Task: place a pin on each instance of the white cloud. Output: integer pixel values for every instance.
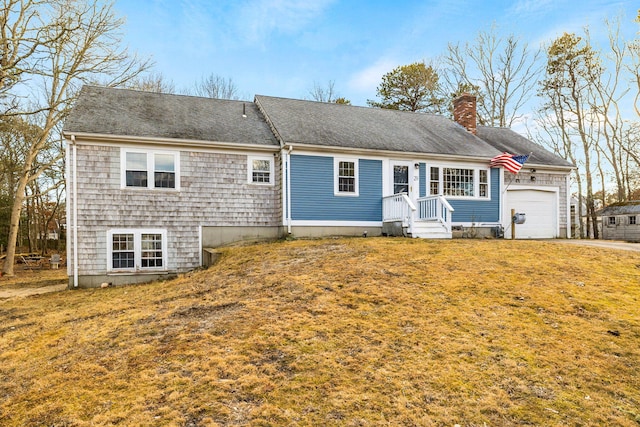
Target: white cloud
(368, 79)
(259, 18)
(529, 7)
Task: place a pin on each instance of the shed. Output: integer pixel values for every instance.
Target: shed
(620, 221)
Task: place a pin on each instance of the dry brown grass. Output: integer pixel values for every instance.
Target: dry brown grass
(353, 332)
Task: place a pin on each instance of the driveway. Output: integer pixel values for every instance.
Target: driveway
(608, 244)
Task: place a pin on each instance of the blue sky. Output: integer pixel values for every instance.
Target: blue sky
(281, 47)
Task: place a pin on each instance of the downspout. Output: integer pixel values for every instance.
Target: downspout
(74, 162)
(569, 221)
(289, 189)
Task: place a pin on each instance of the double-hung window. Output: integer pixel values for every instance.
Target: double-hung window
(150, 169)
(483, 183)
(434, 181)
(632, 220)
(345, 177)
(260, 170)
(137, 250)
(459, 182)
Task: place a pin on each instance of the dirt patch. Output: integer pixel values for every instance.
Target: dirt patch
(25, 283)
(9, 294)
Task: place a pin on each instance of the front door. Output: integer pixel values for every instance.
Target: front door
(402, 178)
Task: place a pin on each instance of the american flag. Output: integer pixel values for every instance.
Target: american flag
(510, 162)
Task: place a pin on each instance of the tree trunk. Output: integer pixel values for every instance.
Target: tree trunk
(14, 226)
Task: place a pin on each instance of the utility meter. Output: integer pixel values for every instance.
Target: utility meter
(519, 218)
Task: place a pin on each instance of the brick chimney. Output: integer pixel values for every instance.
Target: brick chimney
(464, 111)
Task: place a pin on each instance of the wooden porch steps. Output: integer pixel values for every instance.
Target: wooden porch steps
(430, 230)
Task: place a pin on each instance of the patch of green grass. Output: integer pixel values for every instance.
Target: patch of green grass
(352, 332)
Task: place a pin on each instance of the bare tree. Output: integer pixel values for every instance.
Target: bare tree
(215, 86)
(572, 68)
(327, 93)
(608, 90)
(634, 68)
(152, 82)
(501, 72)
(60, 46)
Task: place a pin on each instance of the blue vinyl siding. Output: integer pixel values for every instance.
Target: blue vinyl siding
(479, 211)
(422, 175)
(312, 187)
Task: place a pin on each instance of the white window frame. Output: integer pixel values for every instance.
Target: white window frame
(476, 181)
(431, 181)
(137, 249)
(250, 160)
(632, 220)
(150, 168)
(336, 177)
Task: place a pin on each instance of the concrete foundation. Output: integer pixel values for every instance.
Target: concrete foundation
(213, 237)
(335, 231)
(119, 279)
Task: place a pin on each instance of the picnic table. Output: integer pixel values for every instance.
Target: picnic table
(32, 262)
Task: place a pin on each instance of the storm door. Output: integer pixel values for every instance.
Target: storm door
(400, 178)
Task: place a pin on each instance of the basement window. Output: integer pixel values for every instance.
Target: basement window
(137, 250)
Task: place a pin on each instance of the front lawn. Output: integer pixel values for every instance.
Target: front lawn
(353, 332)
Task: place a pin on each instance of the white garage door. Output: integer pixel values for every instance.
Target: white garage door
(541, 212)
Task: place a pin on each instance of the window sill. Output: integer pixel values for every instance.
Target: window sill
(137, 272)
(262, 184)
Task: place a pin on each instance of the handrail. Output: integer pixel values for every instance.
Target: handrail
(435, 208)
(408, 201)
(445, 203)
(398, 207)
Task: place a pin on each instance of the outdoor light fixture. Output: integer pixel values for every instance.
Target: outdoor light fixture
(533, 179)
(417, 166)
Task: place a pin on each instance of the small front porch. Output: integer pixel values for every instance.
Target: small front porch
(427, 217)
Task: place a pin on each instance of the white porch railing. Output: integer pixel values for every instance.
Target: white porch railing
(435, 208)
(398, 207)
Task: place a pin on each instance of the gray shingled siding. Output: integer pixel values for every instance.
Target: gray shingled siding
(213, 191)
(542, 180)
(622, 230)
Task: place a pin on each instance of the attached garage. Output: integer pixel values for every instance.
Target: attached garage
(541, 209)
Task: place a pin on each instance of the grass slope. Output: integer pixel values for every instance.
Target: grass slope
(353, 332)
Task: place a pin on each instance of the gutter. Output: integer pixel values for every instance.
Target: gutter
(108, 139)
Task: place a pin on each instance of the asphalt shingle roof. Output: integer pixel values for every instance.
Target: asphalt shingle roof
(335, 125)
(123, 112)
(512, 142)
(626, 208)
